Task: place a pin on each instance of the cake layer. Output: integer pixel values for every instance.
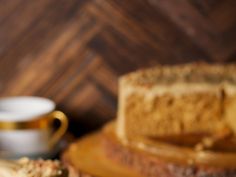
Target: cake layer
(155, 158)
(182, 99)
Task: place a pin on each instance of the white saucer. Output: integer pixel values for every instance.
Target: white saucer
(44, 155)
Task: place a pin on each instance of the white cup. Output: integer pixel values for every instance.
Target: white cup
(26, 126)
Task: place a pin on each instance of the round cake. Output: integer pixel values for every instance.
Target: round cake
(197, 98)
(173, 121)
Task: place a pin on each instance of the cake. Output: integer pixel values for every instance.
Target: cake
(173, 121)
(32, 168)
(197, 98)
(176, 121)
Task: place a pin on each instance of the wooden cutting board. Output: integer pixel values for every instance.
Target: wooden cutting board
(87, 158)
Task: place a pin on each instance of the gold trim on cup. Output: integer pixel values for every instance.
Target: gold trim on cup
(39, 123)
(42, 122)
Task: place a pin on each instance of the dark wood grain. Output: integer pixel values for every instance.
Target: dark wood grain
(73, 51)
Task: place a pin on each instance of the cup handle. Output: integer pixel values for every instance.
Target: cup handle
(58, 115)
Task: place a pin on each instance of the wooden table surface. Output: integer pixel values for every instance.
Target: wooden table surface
(73, 51)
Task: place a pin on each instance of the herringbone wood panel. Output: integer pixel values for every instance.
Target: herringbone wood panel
(73, 51)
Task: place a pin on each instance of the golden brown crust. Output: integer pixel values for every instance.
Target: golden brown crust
(193, 73)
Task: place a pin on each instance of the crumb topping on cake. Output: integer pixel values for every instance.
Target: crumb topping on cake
(40, 168)
(186, 73)
(32, 168)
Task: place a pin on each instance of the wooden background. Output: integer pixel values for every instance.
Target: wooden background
(73, 51)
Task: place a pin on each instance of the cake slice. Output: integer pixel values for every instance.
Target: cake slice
(173, 100)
